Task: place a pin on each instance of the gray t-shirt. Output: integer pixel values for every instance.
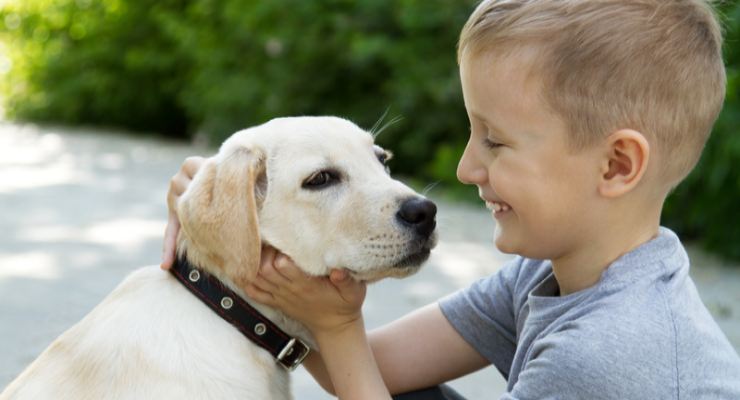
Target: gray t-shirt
(641, 332)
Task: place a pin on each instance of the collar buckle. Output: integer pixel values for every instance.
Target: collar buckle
(293, 354)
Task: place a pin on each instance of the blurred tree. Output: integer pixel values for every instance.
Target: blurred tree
(92, 62)
(211, 67)
(252, 61)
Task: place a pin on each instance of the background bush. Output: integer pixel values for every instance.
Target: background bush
(207, 68)
(93, 62)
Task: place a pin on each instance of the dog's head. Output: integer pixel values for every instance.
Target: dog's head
(317, 189)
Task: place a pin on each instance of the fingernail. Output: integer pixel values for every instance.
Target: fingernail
(340, 275)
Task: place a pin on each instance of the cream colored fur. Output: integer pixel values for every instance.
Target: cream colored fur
(152, 339)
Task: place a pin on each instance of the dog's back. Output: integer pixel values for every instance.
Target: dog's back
(151, 338)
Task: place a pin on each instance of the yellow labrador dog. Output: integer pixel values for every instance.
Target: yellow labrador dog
(314, 187)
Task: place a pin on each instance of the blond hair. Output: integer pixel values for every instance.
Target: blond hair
(654, 66)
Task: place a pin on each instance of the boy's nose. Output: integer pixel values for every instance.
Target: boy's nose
(469, 170)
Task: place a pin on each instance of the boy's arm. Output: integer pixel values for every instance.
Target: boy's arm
(349, 364)
(416, 351)
(422, 349)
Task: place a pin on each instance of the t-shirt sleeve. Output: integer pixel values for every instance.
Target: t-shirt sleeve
(484, 315)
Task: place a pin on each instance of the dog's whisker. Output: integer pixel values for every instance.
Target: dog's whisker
(429, 188)
(379, 121)
(377, 129)
(395, 119)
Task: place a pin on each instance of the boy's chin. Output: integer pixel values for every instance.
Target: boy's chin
(506, 242)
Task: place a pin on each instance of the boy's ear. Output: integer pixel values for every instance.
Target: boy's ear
(625, 162)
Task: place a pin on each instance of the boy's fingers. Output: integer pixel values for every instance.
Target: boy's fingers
(180, 181)
(285, 267)
(264, 285)
(169, 245)
(267, 256)
(167, 260)
(192, 165)
(350, 290)
(259, 295)
(269, 272)
(178, 184)
(338, 276)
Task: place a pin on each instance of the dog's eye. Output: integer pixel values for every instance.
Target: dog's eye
(321, 179)
(384, 156)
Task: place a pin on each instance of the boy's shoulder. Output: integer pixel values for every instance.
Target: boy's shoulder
(646, 316)
(664, 255)
(662, 340)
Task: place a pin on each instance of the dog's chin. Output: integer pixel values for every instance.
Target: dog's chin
(413, 260)
(406, 266)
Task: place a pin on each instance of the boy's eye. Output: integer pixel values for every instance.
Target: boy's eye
(491, 144)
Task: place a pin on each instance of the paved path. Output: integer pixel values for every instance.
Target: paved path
(79, 210)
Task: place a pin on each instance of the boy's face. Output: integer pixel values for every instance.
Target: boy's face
(541, 192)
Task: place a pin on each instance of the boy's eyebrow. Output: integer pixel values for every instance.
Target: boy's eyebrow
(489, 123)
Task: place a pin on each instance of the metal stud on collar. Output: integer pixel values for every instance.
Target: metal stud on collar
(227, 302)
(218, 297)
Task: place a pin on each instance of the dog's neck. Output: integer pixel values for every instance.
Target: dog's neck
(287, 324)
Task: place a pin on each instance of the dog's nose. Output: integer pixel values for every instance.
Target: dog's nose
(418, 214)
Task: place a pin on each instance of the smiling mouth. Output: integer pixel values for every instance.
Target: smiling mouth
(497, 207)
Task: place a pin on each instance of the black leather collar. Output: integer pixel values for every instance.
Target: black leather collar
(288, 351)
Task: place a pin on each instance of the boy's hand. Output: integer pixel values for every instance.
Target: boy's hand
(323, 304)
(178, 184)
(330, 307)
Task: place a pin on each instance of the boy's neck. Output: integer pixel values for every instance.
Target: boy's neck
(582, 269)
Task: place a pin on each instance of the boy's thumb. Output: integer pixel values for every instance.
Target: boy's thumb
(339, 276)
(352, 291)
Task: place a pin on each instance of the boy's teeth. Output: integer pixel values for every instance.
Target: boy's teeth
(497, 207)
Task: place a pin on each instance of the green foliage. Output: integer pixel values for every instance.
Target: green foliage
(92, 62)
(252, 61)
(211, 67)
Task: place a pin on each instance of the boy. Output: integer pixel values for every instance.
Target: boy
(584, 115)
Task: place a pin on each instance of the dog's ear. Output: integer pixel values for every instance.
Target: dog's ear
(218, 214)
